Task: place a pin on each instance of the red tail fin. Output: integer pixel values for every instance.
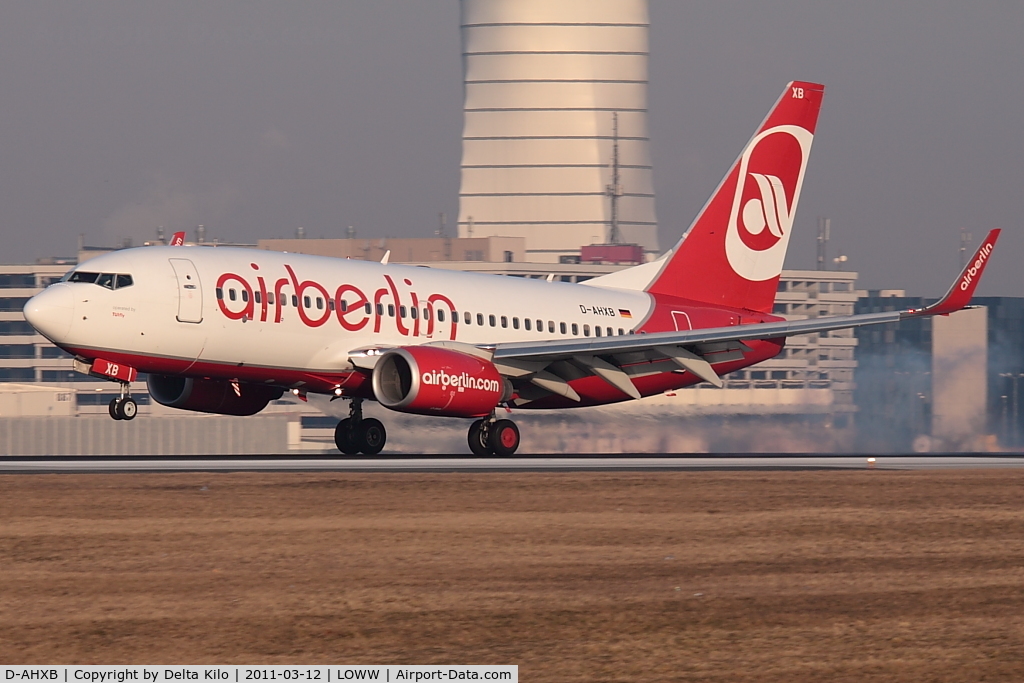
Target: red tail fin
(177, 239)
(732, 255)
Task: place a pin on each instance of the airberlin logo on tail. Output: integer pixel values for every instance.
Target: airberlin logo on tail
(460, 382)
(976, 266)
(770, 210)
(768, 180)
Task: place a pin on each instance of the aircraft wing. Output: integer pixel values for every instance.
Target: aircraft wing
(698, 350)
(554, 350)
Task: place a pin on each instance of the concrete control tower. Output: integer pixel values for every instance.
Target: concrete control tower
(545, 83)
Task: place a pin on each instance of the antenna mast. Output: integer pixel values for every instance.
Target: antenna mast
(965, 243)
(824, 227)
(614, 191)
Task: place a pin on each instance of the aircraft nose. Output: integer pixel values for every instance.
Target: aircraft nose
(51, 312)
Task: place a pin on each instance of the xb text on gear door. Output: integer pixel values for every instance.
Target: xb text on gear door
(190, 291)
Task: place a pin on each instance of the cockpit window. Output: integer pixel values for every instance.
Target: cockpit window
(108, 280)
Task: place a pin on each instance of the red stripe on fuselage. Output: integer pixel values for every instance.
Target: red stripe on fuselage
(352, 383)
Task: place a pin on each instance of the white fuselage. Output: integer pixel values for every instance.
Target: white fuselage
(235, 307)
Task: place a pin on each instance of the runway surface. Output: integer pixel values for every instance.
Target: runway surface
(534, 463)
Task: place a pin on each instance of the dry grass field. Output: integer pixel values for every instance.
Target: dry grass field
(709, 576)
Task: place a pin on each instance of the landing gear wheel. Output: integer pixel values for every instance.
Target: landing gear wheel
(504, 438)
(344, 437)
(127, 408)
(115, 409)
(371, 436)
(478, 441)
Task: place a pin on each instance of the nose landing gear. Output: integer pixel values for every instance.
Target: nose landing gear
(493, 437)
(124, 407)
(356, 434)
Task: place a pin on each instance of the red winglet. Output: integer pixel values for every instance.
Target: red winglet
(960, 294)
(177, 239)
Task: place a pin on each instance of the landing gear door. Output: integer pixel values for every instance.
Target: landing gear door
(190, 291)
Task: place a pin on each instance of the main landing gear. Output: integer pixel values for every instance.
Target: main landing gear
(124, 407)
(487, 436)
(493, 437)
(356, 434)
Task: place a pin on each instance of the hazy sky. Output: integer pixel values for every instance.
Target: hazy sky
(255, 118)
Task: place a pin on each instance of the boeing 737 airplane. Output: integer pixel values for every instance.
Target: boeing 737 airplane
(229, 330)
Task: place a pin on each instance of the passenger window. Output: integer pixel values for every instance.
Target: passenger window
(380, 310)
(551, 326)
(367, 308)
(295, 301)
(426, 314)
(232, 295)
(391, 310)
(270, 298)
(620, 332)
(105, 280)
(609, 331)
(540, 325)
(480, 319)
(306, 302)
(504, 321)
(561, 327)
(526, 324)
(586, 330)
(245, 295)
(491, 320)
(414, 311)
(256, 297)
(220, 293)
(330, 304)
(440, 316)
(597, 331)
(401, 311)
(319, 303)
(344, 306)
(124, 281)
(515, 323)
(575, 330)
(468, 317)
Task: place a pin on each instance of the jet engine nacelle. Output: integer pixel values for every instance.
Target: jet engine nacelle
(436, 381)
(210, 395)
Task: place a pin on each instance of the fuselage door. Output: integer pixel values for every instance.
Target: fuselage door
(190, 291)
(681, 320)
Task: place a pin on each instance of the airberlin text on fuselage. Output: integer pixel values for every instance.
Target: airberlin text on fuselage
(348, 304)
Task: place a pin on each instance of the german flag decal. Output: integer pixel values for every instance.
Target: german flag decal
(623, 313)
